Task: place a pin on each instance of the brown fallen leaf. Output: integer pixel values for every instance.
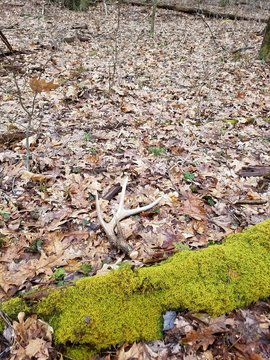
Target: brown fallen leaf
(33, 338)
(34, 346)
(18, 273)
(194, 207)
(39, 85)
(199, 339)
(29, 176)
(138, 351)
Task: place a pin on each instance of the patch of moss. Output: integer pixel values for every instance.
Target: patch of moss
(12, 307)
(127, 305)
(80, 353)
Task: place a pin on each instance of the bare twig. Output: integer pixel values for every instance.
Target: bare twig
(6, 42)
(29, 114)
(115, 50)
(251, 202)
(213, 37)
(28, 110)
(118, 240)
(105, 7)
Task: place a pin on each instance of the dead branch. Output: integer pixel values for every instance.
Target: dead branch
(258, 170)
(251, 202)
(6, 42)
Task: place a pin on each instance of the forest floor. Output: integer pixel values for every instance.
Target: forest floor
(185, 114)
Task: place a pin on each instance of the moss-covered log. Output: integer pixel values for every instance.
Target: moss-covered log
(265, 48)
(127, 305)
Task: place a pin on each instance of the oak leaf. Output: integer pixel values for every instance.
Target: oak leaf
(194, 207)
(38, 85)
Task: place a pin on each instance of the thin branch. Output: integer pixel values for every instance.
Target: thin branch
(211, 32)
(115, 50)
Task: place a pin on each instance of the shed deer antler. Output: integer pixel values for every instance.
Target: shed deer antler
(118, 240)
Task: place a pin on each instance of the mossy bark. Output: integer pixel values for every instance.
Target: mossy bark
(127, 305)
(265, 48)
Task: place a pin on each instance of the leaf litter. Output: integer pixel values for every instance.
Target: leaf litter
(185, 116)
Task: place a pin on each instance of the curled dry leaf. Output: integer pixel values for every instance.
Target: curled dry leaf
(39, 85)
(200, 339)
(194, 207)
(33, 338)
(29, 176)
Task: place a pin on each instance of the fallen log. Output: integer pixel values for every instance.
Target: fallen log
(168, 5)
(127, 305)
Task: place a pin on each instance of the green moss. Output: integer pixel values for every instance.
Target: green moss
(12, 307)
(127, 305)
(100, 310)
(80, 353)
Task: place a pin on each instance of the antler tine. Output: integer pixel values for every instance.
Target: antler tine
(108, 228)
(123, 213)
(123, 193)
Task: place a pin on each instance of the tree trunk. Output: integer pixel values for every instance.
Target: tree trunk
(265, 48)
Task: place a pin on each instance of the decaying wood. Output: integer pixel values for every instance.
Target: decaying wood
(258, 170)
(10, 138)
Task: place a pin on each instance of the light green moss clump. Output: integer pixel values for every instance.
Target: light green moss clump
(12, 307)
(127, 305)
(80, 352)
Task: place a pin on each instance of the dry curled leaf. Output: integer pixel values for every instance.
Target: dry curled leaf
(199, 339)
(28, 175)
(39, 85)
(194, 207)
(33, 338)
